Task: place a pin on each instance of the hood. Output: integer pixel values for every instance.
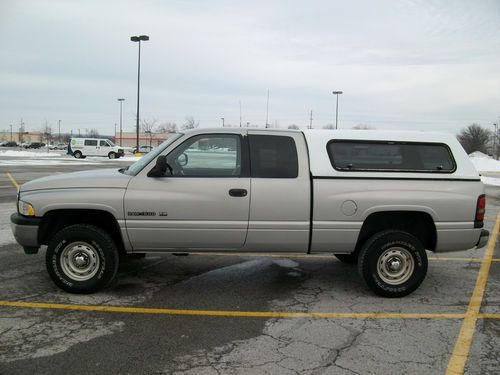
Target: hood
(101, 178)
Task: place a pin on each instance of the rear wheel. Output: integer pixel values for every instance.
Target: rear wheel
(82, 258)
(393, 263)
(77, 154)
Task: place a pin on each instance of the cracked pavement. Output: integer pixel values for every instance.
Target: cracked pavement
(80, 342)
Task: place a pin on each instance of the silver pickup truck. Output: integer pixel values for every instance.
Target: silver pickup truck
(375, 198)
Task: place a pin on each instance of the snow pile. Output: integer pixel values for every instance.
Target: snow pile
(14, 153)
(484, 163)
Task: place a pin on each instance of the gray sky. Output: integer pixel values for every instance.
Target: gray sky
(429, 65)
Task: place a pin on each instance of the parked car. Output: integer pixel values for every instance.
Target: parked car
(83, 147)
(375, 198)
(24, 144)
(59, 146)
(36, 145)
(9, 144)
(144, 149)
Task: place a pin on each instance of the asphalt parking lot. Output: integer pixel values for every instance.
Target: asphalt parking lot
(244, 314)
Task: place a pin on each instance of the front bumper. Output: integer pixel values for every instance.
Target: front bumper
(483, 238)
(25, 231)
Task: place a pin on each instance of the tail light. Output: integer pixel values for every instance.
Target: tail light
(480, 208)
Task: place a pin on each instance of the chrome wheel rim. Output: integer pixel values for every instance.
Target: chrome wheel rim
(395, 266)
(80, 261)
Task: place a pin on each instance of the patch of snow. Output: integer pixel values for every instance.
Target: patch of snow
(14, 153)
(486, 164)
(286, 263)
(479, 154)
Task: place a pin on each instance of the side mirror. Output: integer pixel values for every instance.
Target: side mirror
(183, 159)
(160, 168)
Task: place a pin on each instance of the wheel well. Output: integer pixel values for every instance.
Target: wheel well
(53, 221)
(419, 224)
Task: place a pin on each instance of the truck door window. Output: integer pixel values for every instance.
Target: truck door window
(212, 155)
(273, 156)
(103, 144)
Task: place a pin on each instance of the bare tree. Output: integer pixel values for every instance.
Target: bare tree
(293, 126)
(168, 127)
(363, 127)
(474, 138)
(190, 123)
(46, 133)
(93, 133)
(149, 127)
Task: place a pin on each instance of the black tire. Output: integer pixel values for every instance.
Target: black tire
(348, 258)
(77, 154)
(393, 263)
(112, 155)
(86, 244)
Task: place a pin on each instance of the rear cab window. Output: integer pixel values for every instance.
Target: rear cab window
(383, 156)
(273, 156)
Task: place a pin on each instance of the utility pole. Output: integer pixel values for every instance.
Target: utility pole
(11, 132)
(59, 138)
(495, 141)
(267, 110)
(240, 113)
(121, 133)
(337, 93)
(311, 120)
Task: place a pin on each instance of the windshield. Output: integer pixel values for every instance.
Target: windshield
(111, 143)
(146, 159)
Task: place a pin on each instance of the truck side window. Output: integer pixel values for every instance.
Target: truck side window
(212, 155)
(379, 156)
(90, 142)
(273, 156)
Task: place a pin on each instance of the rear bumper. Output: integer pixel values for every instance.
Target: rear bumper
(25, 230)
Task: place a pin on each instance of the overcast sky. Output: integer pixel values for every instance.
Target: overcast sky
(429, 65)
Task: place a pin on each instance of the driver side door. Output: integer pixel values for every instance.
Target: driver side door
(203, 204)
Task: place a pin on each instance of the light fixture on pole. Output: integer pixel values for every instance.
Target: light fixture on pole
(337, 107)
(138, 39)
(222, 118)
(121, 101)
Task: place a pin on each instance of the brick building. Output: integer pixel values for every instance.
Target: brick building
(145, 139)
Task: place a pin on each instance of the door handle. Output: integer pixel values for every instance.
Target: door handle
(238, 192)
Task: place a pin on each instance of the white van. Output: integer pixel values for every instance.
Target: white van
(83, 147)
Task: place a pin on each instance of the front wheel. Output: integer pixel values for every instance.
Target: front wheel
(112, 155)
(82, 258)
(393, 263)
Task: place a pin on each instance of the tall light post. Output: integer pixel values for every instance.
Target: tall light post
(11, 132)
(121, 101)
(138, 39)
(59, 138)
(337, 107)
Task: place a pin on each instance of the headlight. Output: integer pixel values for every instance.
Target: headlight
(25, 208)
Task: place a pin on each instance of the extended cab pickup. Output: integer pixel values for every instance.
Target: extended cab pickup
(375, 198)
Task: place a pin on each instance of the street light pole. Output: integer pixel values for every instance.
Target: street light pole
(59, 139)
(11, 132)
(337, 108)
(138, 39)
(121, 101)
